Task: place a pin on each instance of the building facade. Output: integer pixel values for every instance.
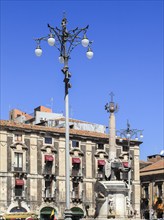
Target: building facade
(152, 186)
(32, 165)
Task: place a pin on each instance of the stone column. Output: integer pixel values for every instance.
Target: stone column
(112, 135)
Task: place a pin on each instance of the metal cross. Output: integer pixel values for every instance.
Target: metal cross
(111, 95)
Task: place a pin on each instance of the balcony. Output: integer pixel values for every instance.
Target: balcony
(100, 176)
(77, 176)
(20, 198)
(19, 172)
(76, 197)
(18, 169)
(49, 196)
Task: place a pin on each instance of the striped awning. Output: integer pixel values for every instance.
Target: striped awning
(101, 162)
(49, 158)
(19, 215)
(76, 160)
(19, 182)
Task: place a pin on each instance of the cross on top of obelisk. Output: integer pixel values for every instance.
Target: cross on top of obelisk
(111, 95)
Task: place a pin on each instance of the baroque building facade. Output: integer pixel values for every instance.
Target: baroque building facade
(152, 186)
(32, 165)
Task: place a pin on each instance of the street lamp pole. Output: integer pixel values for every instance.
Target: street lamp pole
(65, 41)
(129, 133)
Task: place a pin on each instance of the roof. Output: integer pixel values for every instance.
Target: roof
(15, 125)
(72, 120)
(159, 165)
(154, 155)
(145, 162)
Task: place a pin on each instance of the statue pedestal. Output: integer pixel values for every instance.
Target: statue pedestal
(111, 199)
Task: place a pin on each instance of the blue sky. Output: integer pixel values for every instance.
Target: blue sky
(128, 60)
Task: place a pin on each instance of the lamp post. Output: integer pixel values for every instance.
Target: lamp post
(65, 41)
(129, 133)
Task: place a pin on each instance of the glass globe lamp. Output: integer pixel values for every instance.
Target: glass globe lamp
(51, 40)
(61, 59)
(85, 41)
(89, 54)
(38, 51)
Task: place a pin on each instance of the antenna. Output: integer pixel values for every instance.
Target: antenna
(51, 103)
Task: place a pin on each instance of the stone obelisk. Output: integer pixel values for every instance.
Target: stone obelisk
(112, 191)
(112, 129)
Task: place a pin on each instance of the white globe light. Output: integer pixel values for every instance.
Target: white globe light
(51, 41)
(128, 135)
(85, 42)
(89, 54)
(121, 140)
(141, 135)
(61, 59)
(38, 52)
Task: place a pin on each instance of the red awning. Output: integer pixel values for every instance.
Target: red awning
(125, 164)
(49, 158)
(19, 182)
(76, 160)
(101, 162)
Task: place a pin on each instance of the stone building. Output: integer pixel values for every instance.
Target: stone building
(32, 165)
(152, 183)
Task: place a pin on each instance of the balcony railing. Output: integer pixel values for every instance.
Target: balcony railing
(19, 172)
(76, 175)
(49, 196)
(18, 169)
(76, 197)
(100, 176)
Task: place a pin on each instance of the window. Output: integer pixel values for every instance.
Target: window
(48, 140)
(18, 163)
(160, 190)
(18, 190)
(75, 169)
(100, 146)
(75, 166)
(125, 148)
(48, 188)
(48, 167)
(75, 144)
(100, 168)
(75, 190)
(19, 183)
(18, 137)
(146, 192)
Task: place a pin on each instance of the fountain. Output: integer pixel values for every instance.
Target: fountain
(112, 193)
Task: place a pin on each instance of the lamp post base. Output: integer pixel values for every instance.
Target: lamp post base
(68, 214)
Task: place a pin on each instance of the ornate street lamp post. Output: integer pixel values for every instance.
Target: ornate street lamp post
(128, 134)
(65, 41)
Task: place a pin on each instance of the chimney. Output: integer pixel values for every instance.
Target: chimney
(42, 109)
